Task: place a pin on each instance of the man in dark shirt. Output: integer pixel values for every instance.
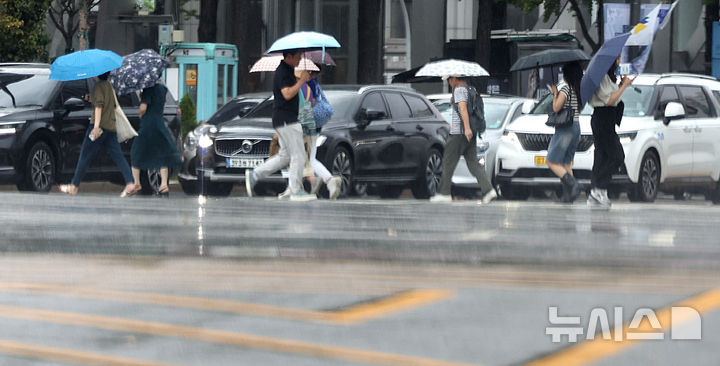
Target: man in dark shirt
(290, 135)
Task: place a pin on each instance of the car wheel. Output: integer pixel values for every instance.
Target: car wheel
(39, 169)
(514, 193)
(390, 191)
(647, 187)
(190, 187)
(342, 166)
(714, 195)
(218, 189)
(427, 184)
(150, 181)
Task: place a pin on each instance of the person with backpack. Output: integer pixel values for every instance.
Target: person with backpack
(468, 122)
(562, 147)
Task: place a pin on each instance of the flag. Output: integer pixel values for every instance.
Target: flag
(638, 63)
(644, 32)
(664, 14)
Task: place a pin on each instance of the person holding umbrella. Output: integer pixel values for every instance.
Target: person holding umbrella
(153, 148)
(101, 132)
(599, 87)
(562, 147)
(609, 154)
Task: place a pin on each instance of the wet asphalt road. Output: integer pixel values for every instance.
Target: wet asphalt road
(99, 280)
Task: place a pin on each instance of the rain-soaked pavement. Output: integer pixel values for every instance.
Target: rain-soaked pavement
(99, 280)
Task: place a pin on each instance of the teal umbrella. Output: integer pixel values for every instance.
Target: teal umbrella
(84, 64)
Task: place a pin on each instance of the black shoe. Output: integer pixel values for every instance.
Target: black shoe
(571, 188)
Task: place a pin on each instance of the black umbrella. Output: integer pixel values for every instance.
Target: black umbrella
(549, 58)
(409, 77)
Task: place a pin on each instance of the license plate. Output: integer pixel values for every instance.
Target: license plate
(243, 162)
(540, 160)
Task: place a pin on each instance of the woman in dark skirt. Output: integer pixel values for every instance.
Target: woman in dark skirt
(153, 148)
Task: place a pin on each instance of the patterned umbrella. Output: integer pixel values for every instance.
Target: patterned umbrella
(139, 70)
(452, 67)
(271, 63)
(317, 57)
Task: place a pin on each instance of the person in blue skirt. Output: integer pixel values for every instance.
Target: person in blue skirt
(154, 147)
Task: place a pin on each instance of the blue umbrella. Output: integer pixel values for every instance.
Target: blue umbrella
(139, 70)
(304, 40)
(599, 66)
(84, 64)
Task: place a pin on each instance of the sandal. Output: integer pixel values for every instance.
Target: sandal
(68, 189)
(125, 193)
(163, 191)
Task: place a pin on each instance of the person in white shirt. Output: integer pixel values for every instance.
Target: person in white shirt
(609, 154)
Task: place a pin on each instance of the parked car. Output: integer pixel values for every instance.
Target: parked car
(43, 124)
(239, 106)
(670, 133)
(382, 135)
(500, 110)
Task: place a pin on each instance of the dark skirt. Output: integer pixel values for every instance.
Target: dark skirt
(154, 147)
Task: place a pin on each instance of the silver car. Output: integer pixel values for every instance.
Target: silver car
(500, 110)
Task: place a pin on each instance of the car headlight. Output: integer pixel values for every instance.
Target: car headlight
(204, 142)
(190, 143)
(511, 138)
(9, 128)
(626, 138)
(482, 146)
(320, 140)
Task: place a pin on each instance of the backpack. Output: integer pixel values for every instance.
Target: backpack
(476, 111)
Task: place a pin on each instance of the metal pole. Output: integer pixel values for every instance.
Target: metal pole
(408, 40)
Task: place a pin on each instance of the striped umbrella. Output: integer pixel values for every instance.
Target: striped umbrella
(271, 63)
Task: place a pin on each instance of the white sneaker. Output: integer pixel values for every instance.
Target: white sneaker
(597, 199)
(441, 198)
(489, 197)
(249, 182)
(302, 197)
(285, 196)
(334, 185)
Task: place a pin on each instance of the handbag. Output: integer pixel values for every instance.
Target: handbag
(123, 128)
(322, 110)
(563, 118)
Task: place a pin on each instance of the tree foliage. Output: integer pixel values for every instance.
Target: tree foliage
(554, 7)
(188, 114)
(22, 30)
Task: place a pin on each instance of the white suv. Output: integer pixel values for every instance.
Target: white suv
(670, 133)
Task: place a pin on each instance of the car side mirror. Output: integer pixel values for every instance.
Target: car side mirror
(527, 106)
(368, 115)
(74, 104)
(673, 110)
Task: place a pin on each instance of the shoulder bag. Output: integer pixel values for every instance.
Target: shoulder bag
(564, 117)
(123, 128)
(322, 110)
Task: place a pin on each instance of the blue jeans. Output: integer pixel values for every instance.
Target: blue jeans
(109, 141)
(564, 144)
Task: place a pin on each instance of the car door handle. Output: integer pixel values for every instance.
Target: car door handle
(698, 129)
(390, 128)
(419, 128)
(687, 129)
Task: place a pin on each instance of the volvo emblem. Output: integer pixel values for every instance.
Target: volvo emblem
(246, 146)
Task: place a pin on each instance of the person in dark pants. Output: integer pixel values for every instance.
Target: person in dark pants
(154, 147)
(101, 133)
(461, 142)
(564, 142)
(609, 154)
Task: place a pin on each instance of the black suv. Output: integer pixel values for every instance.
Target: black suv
(384, 136)
(43, 124)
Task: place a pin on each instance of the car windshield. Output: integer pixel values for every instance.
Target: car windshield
(636, 100)
(494, 112)
(340, 101)
(27, 92)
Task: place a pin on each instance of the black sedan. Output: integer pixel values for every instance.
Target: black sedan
(388, 137)
(43, 124)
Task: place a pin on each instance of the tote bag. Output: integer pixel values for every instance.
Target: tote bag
(123, 128)
(322, 110)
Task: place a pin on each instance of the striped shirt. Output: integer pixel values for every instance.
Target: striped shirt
(571, 100)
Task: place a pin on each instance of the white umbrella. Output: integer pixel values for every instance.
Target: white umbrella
(270, 63)
(452, 67)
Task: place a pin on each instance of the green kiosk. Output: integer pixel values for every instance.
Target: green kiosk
(206, 71)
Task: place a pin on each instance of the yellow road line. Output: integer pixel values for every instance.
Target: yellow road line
(219, 337)
(69, 356)
(403, 301)
(599, 348)
(389, 305)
